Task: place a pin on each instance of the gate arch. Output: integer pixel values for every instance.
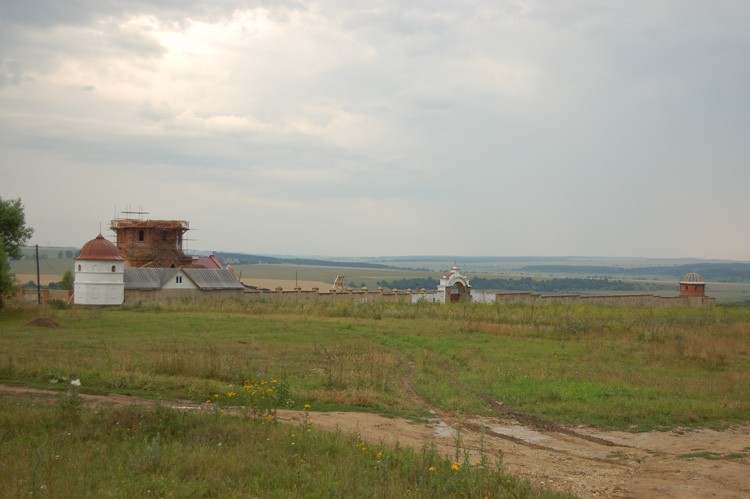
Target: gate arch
(455, 278)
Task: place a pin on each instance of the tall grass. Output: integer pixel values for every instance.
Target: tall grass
(62, 450)
(615, 367)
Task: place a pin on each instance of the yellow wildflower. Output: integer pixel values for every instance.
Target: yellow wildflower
(431, 468)
(456, 466)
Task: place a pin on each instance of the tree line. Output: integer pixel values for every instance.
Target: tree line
(524, 284)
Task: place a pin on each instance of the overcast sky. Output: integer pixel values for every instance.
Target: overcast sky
(369, 128)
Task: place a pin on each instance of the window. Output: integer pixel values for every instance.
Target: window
(113, 268)
(178, 279)
(79, 267)
(164, 236)
(140, 235)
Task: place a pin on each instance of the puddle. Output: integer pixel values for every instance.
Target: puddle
(524, 434)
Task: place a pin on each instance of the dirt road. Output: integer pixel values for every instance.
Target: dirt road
(586, 461)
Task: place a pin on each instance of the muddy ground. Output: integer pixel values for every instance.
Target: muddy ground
(584, 460)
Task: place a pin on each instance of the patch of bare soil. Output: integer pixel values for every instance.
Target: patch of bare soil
(44, 322)
(586, 461)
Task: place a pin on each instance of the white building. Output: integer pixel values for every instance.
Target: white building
(99, 274)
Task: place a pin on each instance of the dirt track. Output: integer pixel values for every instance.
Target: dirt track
(589, 462)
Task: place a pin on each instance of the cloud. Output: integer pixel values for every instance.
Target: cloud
(536, 127)
(10, 73)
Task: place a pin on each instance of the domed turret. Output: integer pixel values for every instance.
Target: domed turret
(692, 285)
(99, 274)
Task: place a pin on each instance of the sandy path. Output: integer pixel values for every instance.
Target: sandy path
(586, 461)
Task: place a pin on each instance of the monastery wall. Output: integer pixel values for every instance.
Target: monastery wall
(168, 296)
(30, 294)
(609, 300)
(329, 296)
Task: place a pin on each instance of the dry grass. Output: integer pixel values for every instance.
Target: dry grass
(45, 279)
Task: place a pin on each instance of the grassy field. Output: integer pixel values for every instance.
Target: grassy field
(349, 358)
(623, 368)
(652, 367)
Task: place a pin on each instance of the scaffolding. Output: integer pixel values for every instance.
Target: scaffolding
(338, 284)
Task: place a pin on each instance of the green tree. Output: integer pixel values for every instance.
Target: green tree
(7, 280)
(13, 233)
(67, 280)
(13, 228)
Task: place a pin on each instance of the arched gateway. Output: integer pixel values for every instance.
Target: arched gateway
(457, 279)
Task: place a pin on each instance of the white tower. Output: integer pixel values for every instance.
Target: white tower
(99, 274)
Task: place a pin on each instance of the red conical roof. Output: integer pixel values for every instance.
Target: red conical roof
(99, 249)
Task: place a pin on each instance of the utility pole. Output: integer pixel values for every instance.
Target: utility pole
(38, 284)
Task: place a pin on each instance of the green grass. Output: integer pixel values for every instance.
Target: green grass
(623, 368)
(59, 449)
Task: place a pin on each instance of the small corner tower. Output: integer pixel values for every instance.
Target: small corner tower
(99, 274)
(692, 285)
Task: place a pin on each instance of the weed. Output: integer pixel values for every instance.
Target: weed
(701, 455)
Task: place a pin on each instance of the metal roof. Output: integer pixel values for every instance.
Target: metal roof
(147, 277)
(156, 278)
(213, 278)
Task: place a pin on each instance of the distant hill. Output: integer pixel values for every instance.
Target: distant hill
(245, 259)
(716, 272)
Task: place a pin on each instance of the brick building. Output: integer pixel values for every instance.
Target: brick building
(151, 243)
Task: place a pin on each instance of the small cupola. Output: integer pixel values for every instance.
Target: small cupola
(692, 285)
(99, 249)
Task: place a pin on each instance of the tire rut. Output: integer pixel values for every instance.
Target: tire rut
(532, 422)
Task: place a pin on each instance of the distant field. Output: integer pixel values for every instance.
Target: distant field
(48, 266)
(653, 367)
(324, 276)
(44, 278)
(287, 284)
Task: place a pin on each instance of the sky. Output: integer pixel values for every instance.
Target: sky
(380, 128)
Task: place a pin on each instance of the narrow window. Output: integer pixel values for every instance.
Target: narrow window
(164, 236)
(79, 267)
(140, 235)
(113, 268)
